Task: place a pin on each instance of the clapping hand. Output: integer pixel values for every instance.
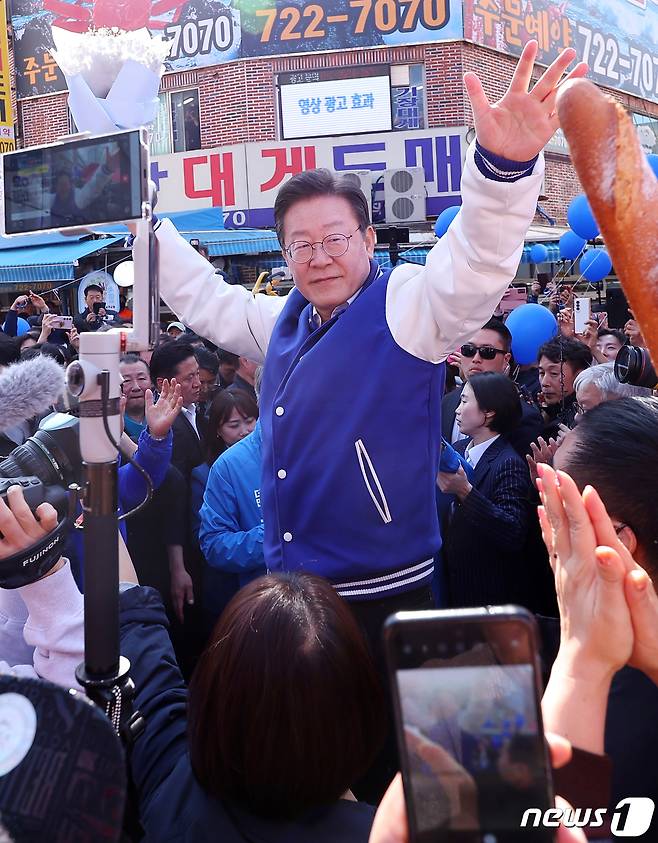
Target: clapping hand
(161, 415)
(519, 125)
(599, 585)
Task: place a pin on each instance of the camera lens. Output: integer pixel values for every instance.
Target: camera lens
(633, 366)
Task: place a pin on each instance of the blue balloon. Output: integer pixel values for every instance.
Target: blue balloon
(653, 163)
(444, 219)
(581, 218)
(571, 246)
(539, 253)
(595, 264)
(531, 325)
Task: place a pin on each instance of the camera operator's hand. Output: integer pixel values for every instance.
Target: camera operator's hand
(21, 528)
(633, 331)
(39, 303)
(91, 317)
(20, 303)
(161, 416)
(74, 338)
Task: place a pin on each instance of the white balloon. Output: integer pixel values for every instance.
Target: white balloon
(124, 274)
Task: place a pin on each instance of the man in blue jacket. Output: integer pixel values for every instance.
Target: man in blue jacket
(352, 349)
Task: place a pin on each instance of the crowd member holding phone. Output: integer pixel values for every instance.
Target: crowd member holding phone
(95, 314)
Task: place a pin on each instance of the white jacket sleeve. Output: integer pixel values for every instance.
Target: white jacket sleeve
(432, 311)
(227, 314)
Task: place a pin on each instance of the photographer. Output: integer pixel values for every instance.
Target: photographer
(95, 314)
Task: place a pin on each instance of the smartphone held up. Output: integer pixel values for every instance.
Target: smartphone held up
(466, 695)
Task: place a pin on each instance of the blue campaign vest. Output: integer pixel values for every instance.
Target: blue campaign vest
(351, 432)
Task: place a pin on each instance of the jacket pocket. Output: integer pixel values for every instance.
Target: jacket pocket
(371, 480)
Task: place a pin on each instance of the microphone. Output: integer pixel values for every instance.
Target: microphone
(28, 389)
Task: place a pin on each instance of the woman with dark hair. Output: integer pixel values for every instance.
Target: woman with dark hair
(232, 416)
(486, 530)
(284, 713)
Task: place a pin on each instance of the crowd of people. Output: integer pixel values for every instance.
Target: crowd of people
(330, 468)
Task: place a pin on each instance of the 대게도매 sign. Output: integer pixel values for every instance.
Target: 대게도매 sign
(244, 179)
(617, 38)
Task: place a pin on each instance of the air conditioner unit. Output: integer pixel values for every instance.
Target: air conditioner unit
(363, 180)
(404, 195)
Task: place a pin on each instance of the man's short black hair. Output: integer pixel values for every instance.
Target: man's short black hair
(501, 329)
(91, 287)
(207, 360)
(9, 350)
(613, 332)
(496, 393)
(227, 357)
(567, 350)
(131, 358)
(167, 357)
(320, 182)
(615, 450)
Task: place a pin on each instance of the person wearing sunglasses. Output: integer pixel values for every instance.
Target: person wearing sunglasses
(490, 351)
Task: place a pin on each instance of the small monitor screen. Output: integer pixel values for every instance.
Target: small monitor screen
(80, 183)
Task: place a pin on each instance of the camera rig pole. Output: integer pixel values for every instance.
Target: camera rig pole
(95, 380)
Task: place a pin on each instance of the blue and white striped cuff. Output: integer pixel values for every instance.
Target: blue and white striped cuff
(497, 168)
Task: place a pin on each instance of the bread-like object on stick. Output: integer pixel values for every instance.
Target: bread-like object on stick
(622, 190)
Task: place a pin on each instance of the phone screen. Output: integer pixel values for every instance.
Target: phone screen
(473, 752)
(83, 182)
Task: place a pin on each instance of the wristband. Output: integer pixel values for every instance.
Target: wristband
(32, 563)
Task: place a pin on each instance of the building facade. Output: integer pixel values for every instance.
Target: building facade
(257, 91)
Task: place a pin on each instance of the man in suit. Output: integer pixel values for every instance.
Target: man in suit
(177, 360)
(490, 351)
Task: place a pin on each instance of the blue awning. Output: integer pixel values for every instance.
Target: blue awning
(241, 242)
(55, 260)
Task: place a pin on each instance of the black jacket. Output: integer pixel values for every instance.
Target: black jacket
(485, 535)
(530, 427)
(173, 806)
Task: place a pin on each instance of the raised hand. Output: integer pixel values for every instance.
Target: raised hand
(519, 125)
(640, 593)
(161, 416)
(589, 579)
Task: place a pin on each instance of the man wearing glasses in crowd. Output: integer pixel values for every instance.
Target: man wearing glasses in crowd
(354, 373)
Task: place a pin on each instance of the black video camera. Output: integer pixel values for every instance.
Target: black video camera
(633, 365)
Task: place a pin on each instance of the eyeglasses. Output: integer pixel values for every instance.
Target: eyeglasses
(580, 410)
(486, 352)
(334, 245)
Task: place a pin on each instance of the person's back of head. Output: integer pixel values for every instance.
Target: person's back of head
(614, 448)
(207, 360)
(9, 350)
(602, 378)
(166, 358)
(285, 707)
